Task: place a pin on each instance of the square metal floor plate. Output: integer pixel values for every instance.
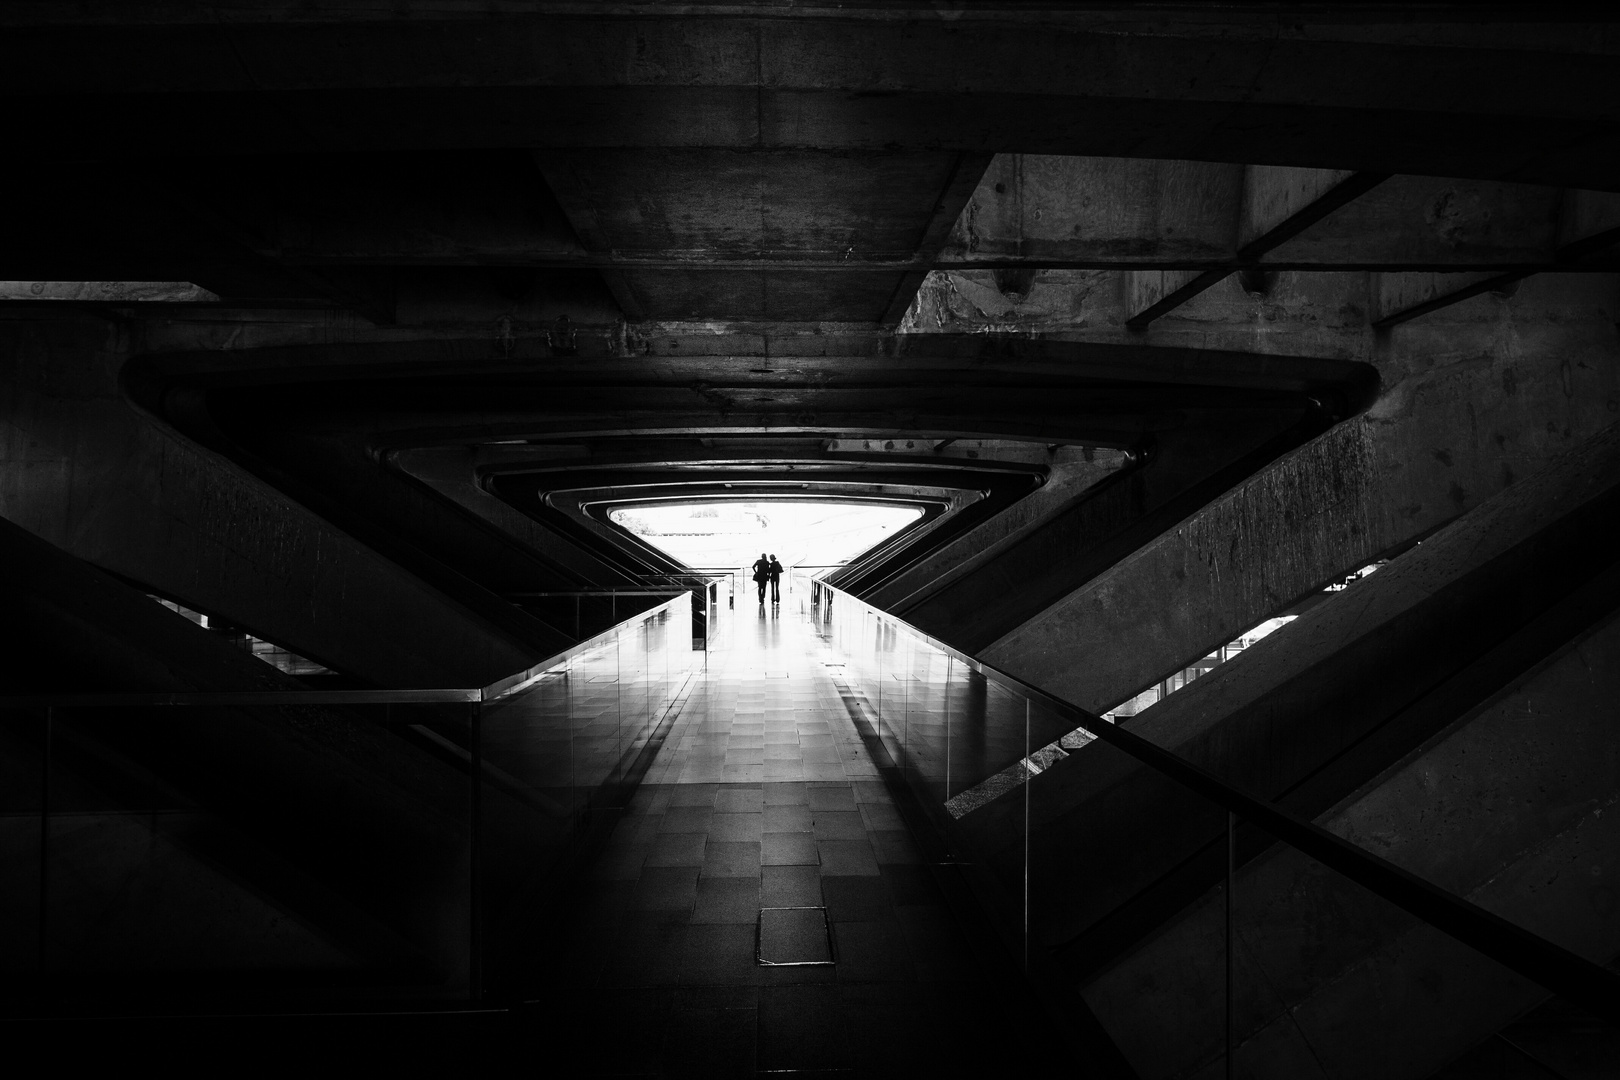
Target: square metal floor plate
(794, 937)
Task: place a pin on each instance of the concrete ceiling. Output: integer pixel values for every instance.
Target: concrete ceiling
(429, 225)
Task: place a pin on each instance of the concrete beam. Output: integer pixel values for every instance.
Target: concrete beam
(91, 475)
(962, 181)
(1442, 438)
(983, 598)
(1521, 791)
(346, 483)
(1590, 226)
(266, 782)
(1276, 206)
(451, 472)
(1109, 849)
(1067, 82)
(1072, 474)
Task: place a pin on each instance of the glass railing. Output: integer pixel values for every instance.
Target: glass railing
(584, 612)
(1149, 887)
(204, 849)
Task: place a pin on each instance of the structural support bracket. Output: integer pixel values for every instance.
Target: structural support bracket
(1566, 255)
(1249, 253)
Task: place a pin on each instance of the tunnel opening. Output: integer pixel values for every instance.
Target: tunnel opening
(805, 535)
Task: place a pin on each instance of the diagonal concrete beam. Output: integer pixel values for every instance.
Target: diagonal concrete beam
(959, 187)
(1437, 444)
(1277, 205)
(1319, 708)
(576, 206)
(1522, 791)
(111, 485)
(1594, 218)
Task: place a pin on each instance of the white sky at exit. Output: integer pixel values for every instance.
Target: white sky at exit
(730, 534)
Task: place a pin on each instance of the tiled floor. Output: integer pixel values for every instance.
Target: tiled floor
(765, 795)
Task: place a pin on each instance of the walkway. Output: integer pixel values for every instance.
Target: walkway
(765, 826)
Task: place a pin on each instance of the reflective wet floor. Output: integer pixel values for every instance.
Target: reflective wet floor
(763, 906)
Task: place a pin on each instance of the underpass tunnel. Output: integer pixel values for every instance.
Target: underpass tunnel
(1189, 438)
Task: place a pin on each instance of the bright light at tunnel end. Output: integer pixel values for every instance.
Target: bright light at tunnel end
(732, 533)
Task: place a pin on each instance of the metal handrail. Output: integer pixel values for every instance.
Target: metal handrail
(666, 591)
(479, 771)
(500, 688)
(1566, 973)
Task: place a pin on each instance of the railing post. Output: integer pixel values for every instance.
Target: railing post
(475, 899)
(44, 844)
(950, 665)
(1029, 782)
(1231, 866)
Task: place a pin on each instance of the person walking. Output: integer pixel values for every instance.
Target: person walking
(776, 581)
(762, 574)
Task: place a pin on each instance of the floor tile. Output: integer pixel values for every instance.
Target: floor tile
(856, 899)
(794, 936)
(677, 849)
(740, 799)
(847, 857)
(894, 846)
(785, 849)
(737, 826)
(911, 885)
(710, 1042)
(718, 954)
(727, 900)
(801, 1029)
(731, 859)
(649, 958)
(686, 819)
(666, 888)
(692, 795)
(790, 886)
(871, 952)
(620, 863)
(788, 819)
(838, 825)
(764, 796)
(719, 996)
(881, 815)
(787, 794)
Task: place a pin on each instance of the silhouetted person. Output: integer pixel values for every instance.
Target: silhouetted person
(776, 581)
(762, 574)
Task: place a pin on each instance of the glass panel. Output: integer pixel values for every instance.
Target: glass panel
(1115, 849)
(633, 689)
(22, 760)
(1323, 965)
(353, 848)
(193, 853)
(1109, 871)
(926, 729)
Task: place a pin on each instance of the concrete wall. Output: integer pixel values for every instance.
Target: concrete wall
(1314, 710)
(87, 472)
(1473, 398)
(234, 840)
(1514, 808)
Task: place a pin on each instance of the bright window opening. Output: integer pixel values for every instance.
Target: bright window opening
(1176, 680)
(274, 655)
(730, 534)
